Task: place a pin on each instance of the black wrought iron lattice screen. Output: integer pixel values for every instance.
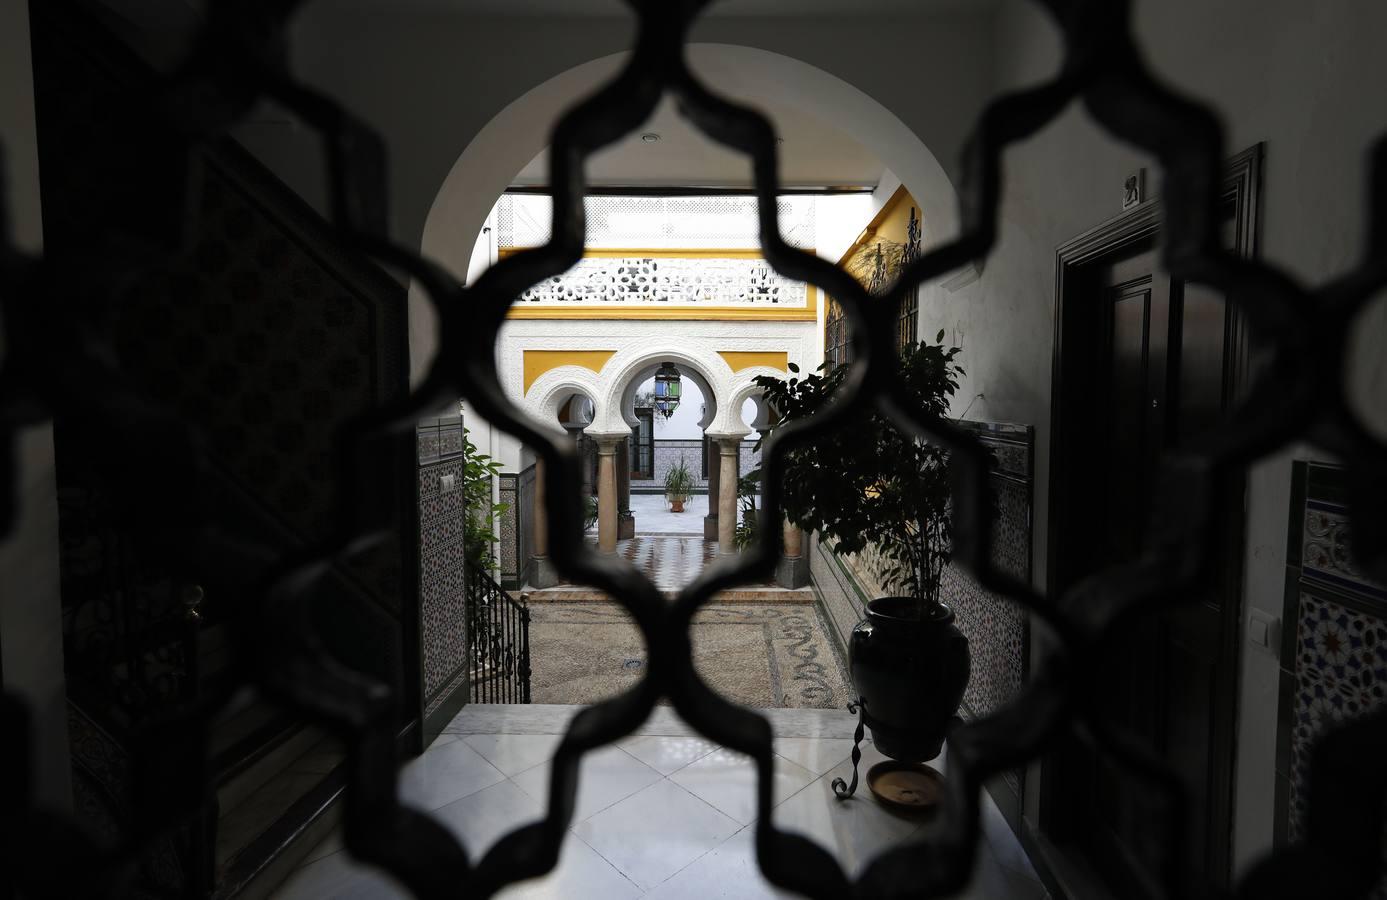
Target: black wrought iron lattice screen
(1300, 395)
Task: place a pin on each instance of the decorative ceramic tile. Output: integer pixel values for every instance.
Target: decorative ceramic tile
(449, 441)
(443, 612)
(1340, 646)
(1326, 554)
(996, 627)
(1334, 667)
(428, 445)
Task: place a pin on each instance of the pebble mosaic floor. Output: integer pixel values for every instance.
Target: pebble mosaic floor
(766, 655)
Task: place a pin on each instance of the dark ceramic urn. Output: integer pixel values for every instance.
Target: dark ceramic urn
(910, 670)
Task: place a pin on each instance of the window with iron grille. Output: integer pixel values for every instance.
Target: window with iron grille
(908, 317)
(836, 346)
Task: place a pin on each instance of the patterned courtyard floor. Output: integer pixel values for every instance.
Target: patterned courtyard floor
(759, 655)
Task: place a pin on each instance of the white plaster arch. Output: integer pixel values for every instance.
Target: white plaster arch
(628, 394)
(746, 389)
(551, 391)
(486, 167)
(625, 371)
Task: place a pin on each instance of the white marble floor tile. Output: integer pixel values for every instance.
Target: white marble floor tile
(444, 774)
(818, 755)
(479, 820)
(655, 833)
(439, 741)
(514, 753)
(606, 776)
(993, 881)
(667, 755)
(727, 780)
(653, 515)
(853, 830)
(582, 874)
(327, 846)
(727, 872)
(339, 877)
(1002, 840)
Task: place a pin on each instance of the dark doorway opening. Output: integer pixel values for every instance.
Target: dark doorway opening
(1144, 363)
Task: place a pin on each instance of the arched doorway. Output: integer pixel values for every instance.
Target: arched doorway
(764, 79)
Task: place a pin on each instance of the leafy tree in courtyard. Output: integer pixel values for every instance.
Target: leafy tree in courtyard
(868, 482)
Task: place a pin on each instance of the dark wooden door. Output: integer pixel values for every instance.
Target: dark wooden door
(1159, 677)
(1145, 363)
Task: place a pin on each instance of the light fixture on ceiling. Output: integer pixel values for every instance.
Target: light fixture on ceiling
(651, 137)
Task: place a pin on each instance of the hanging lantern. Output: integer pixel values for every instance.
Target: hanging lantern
(667, 389)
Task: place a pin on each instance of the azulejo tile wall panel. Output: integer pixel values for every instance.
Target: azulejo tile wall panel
(443, 613)
(1341, 674)
(508, 530)
(668, 452)
(1334, 651)
(995, 627)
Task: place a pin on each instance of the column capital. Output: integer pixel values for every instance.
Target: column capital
(728, 444)
(607, 443)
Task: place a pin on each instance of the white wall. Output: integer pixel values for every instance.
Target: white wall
(431, 81)
(1295, 75)
(684, 424)
(31, 638)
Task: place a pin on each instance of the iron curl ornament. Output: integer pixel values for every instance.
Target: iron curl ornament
(56, 365)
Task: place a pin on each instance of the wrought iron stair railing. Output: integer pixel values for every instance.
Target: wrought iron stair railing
(498, 628)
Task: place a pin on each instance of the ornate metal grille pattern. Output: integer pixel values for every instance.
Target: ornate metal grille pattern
(1300, 396)
(908, 317)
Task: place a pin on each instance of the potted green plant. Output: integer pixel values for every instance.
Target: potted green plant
(478, 534)
(679, 485)
(869, 484)
(745, 532)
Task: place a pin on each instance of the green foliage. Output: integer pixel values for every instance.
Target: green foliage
(745, 533)
(679, 481)
(869, 483)
(478, 535)
(589, 511)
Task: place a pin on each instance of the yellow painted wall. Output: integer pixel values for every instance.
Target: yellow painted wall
(891, 223)
(537, 362)
(747, 359)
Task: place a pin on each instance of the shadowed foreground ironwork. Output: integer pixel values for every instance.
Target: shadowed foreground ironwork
(57, 365)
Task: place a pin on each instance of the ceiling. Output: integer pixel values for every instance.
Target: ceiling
(718, 9)
(813, 154)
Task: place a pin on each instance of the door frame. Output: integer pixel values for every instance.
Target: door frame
(1076, 262)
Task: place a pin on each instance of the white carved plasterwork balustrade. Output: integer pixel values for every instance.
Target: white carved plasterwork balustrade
(674, 281)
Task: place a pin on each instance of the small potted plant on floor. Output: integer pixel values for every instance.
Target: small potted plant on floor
(869, 484)
(679, 485)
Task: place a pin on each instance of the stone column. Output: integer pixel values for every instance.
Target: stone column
(626, 520)
(584, 446)
(542, 571)
(729, 452)
(710, 521)
(608, 514)
(793, 569)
